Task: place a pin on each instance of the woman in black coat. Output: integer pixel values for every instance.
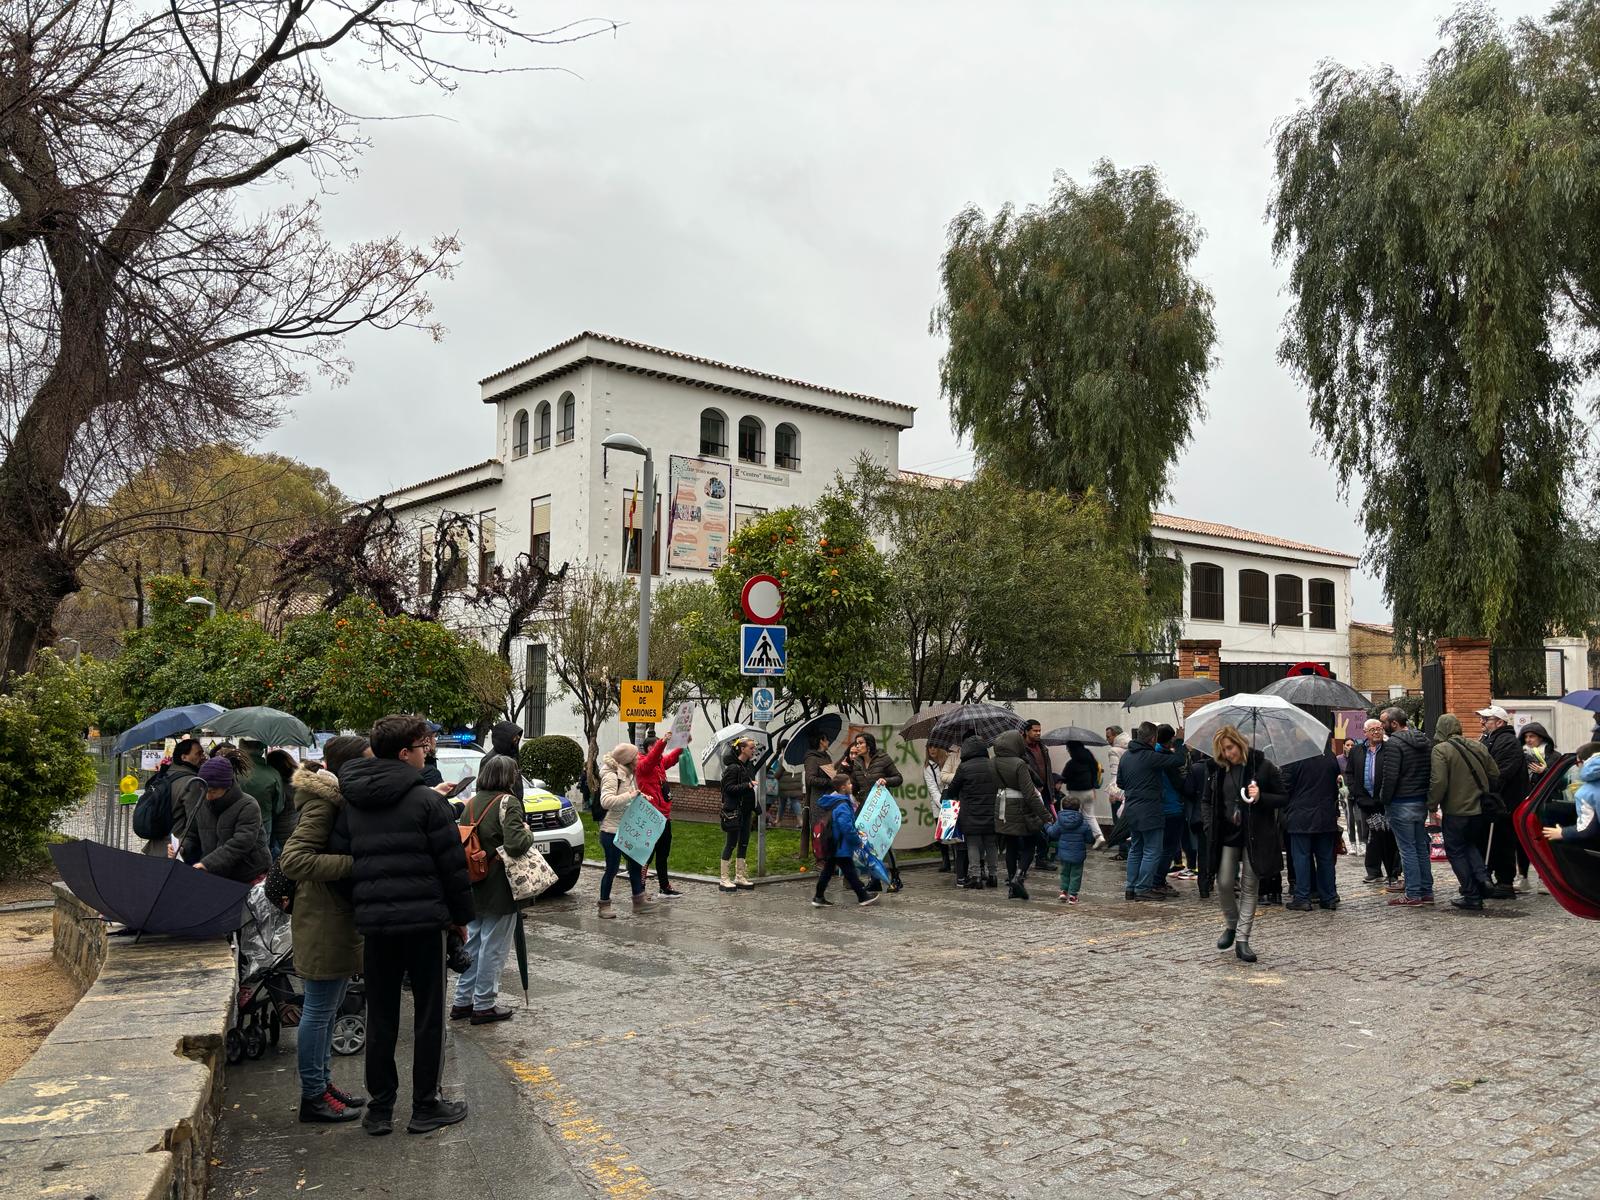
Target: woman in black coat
(974, 788)
(1243, 795)
(738, 807)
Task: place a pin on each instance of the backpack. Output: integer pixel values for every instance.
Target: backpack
(152, 816)
(822, 841)
(1489, 801)
(477, 856)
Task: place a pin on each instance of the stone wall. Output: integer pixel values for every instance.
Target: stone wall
(120, 1102)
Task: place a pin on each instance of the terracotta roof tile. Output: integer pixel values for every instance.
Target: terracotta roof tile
(1212, 529)
(692, 358)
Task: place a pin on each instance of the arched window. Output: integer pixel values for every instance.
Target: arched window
(1323, 615)
(1254, 608)
(519, 434)
(1205, 592)
(786, 447)
(567, 409)
(752, 441)
(541, 439)
(1288, 594)
(713, 433)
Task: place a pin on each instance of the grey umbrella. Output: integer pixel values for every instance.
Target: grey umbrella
(1314, 689)
(1171, 691)
(1073, 733)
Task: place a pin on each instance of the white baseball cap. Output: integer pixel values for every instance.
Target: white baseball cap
(1494, 710)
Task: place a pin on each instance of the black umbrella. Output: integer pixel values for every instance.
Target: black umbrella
(988, 721)
(1301, 690)
(1073, 733)
(1171, 691)
(149, 894)
(922, 725)
(827, 725)
(519, 939)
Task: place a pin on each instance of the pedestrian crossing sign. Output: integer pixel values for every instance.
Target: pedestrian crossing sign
(763, 649)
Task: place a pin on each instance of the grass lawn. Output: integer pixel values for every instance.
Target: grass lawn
(697, 848)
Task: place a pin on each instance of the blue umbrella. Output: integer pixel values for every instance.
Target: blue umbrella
(166, 723)
(1587, 698)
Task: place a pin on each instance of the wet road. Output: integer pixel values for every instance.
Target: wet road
(950, 1044)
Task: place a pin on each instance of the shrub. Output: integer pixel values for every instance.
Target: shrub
(555, 759)
(45, 767)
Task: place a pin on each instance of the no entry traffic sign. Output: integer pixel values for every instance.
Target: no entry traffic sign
(762, 600)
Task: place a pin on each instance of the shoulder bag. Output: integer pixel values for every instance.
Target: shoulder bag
(530, 875)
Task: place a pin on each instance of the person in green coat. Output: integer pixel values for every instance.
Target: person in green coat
(496, 808)
(327, 948)
(266, 785)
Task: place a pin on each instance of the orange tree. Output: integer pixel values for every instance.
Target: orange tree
(836, 588)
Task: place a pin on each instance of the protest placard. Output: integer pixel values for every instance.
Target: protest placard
(639, 829)
(879, 820)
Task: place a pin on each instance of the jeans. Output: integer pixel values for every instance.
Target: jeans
(845, 866)
(1408, 820)
(983, 855)
(314, 1036)
(1461, 845)
(737, 839)
(1238, 888)
(1144, 857)
(488, 939)
(663, 851)
(614, 860)
(1171, 846)
(1071, 877)
(387, 959)
(1313, 853)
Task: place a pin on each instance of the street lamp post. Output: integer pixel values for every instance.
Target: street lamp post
(629, 444)
(210, 604)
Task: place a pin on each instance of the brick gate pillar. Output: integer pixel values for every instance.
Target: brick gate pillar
(1199, 658)
(1466, 676)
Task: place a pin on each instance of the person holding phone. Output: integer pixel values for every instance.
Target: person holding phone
(1244, 792)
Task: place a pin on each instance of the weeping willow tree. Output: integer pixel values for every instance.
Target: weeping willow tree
(1079, 341)
(1441, 234)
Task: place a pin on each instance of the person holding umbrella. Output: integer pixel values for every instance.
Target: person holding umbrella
(1142, 772)
(974, 787)
(1020, 814)
(1244, 791)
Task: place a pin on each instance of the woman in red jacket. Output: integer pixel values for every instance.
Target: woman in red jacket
(650, 773)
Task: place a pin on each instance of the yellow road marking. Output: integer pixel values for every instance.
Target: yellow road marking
(608, 1162)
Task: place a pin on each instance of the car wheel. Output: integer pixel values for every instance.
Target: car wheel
(564, 883)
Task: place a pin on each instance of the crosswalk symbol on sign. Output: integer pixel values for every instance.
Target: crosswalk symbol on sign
(763, 649)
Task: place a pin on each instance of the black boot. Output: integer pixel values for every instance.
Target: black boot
(325, 1110)
(1242, 949)
(1226, 939)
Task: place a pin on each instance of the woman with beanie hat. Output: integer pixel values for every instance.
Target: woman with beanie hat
(224, 834)
(327, 948)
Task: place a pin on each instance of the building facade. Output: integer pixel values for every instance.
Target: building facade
(1375, 669)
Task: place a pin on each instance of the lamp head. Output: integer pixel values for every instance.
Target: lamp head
(625, 441)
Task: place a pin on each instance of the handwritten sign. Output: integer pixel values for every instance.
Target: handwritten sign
(643, 701)
(640, 829)
(682, 723)
(879, 820)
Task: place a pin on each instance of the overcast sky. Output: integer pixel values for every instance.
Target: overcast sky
(770, 185)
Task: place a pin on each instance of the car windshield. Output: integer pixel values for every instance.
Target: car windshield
(458, 762)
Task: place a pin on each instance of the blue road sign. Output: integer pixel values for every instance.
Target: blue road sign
(763, 649)
(762, 702)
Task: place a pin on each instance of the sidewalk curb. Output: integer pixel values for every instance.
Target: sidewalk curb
(764, 880)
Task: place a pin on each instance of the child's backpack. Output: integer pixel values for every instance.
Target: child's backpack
(822, 843)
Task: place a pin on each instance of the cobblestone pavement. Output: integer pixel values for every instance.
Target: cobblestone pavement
(945, 1043)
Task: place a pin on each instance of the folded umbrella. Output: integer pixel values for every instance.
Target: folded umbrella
(519, 939)
(1315, 689)
(987, 721)
(269, 726)
(169, 722)
(1073, 733)
(1282, 732)
(827, 725)
(149, 894)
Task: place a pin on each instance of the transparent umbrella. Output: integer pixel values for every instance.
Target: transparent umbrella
(1284, 733)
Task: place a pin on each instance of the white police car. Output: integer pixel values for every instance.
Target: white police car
(557, 829)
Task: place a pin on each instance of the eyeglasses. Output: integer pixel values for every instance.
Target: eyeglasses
(424, 746)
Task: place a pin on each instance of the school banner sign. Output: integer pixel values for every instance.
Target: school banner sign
(698, 523)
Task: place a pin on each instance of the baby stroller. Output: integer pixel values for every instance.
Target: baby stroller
(269, 996)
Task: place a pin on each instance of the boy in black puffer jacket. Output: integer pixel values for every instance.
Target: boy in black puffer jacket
(411, 886)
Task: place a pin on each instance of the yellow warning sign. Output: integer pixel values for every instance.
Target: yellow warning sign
(643, 700)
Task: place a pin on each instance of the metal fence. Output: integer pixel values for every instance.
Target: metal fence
(101, 816)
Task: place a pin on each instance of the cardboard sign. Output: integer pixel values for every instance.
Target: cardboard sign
(640, 829)
(150, 759)
(879, 820)
(643, 701)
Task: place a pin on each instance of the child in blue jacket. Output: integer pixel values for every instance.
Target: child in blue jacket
(1587, 825)
(1073, 838)
(846, 841)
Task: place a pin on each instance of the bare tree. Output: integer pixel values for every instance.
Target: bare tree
(145, 302)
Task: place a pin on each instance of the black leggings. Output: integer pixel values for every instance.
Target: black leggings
(1019, 854)
(738, 838)
(663, 850)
